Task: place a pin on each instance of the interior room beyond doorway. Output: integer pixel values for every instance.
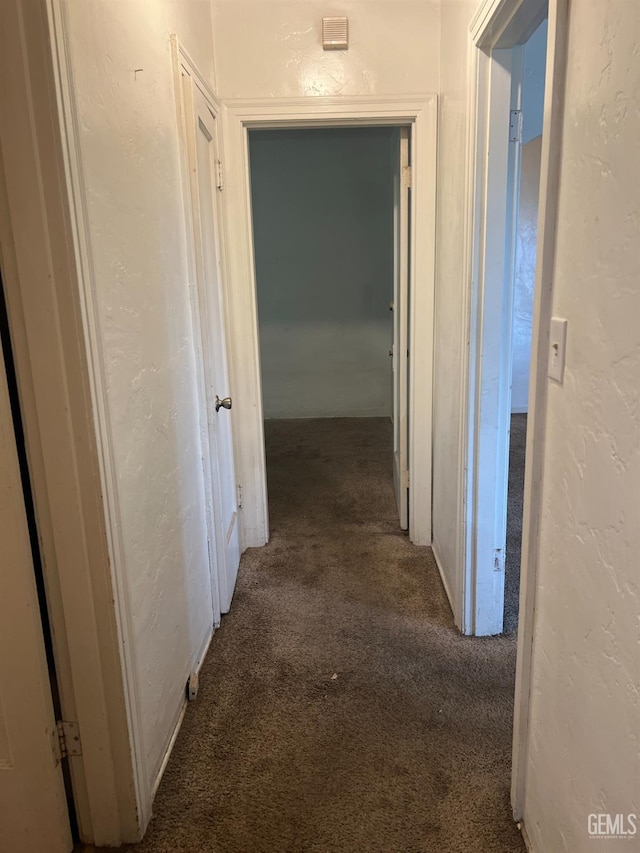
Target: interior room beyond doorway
(323, 225)
(532, 86)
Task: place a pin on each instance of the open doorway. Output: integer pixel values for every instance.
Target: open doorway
(528, 98)
(501, 35)
(508, 162)
(37, 806)
(330, 227)
(418, 114)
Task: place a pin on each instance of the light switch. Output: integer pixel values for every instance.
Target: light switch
(557, 348)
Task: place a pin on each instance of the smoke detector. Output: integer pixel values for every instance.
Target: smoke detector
(335, 33)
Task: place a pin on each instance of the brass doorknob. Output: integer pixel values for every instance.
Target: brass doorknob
(223, 404)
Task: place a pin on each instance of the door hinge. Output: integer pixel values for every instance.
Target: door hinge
(219, 174)
(515, 126)
(407, 176)
(240, 495)
(66, 740)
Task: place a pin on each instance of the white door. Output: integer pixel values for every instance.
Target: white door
(203, 172)
(33, 808)
(402, 189)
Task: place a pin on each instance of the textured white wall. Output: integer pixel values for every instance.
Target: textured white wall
(449, 325)
(131, 168)
(273, 48)
(585, 709)
(322, 205)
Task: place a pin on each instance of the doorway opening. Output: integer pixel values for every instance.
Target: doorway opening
(527, 93)
(508, 160)
(507, 41)
(330, 229)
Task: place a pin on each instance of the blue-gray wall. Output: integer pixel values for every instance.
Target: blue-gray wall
(323, 234)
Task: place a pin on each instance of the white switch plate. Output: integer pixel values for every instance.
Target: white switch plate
(557, 348)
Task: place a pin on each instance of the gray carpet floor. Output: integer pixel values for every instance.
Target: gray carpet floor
(339, 709)
(514, 523)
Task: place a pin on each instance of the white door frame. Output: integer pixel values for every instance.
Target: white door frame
(500, 25)
(399, 351)
(47, 307)
(219, 536)
(33, 803)
(420, 113)
(184, 64)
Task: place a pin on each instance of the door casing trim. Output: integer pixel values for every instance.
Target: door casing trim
(47, 314)
(183, 63)
(420, 113)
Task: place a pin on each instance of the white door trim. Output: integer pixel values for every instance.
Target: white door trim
(500, 24)
(47, 311)
(420, 112)
(89, 332)
(401, 200)
(223, 535)
(183, 64)
(547, 224)
(33, 805)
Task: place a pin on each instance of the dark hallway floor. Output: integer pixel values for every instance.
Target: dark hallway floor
(515, 500)
(339, 709)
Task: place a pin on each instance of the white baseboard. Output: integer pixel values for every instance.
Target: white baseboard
(169, 750)
(174, 734)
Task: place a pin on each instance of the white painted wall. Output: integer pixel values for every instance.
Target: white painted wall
(585, 708)
(273, 48)
(450, 297)
(322, 203)
(535, 55)
(131, 169)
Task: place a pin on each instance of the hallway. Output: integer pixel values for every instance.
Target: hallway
(339, 709)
